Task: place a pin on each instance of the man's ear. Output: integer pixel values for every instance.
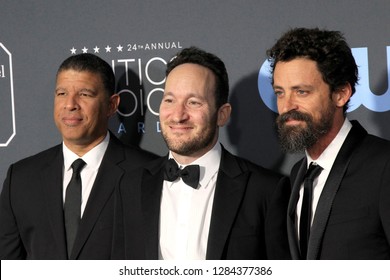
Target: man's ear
(113, 104)
(341, 96)
(224, 114)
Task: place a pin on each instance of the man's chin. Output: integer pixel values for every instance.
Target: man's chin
(288, 129)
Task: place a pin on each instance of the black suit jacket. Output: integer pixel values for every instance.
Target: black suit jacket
(248, 214)
(31, 206)
(352, 220)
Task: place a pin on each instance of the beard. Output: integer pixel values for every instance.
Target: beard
(295, 139)
(189, 147)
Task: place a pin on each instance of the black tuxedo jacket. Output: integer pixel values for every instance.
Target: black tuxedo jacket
(31, 206)
(248, 214)
(352, 220)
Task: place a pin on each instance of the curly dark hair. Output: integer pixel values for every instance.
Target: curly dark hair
(215, 64)
(328, 48)
(94, 64)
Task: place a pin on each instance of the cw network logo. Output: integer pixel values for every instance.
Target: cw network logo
(7, 107)
(363, 95)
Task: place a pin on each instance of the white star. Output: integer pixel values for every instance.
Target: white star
(120, 48)
(85, 50)
(108, 48)
(96, 49)
(73, 50)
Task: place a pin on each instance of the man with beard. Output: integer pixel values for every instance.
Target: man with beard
(340, 207)
(200, 201)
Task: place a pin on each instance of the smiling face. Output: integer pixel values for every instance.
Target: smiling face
(307, 108)
(82, 108)
(189, 118)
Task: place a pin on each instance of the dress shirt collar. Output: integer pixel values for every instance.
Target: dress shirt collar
(328, 156)
(208, 164)
(92, 159)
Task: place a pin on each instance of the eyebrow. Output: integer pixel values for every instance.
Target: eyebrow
(295, 87)
(88, 90)
(83, 89)
(190, 95)
(59, 88)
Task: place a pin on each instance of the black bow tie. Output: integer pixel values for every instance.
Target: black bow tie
(189, 174)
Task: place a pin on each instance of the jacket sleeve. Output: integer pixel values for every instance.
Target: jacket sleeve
(11, 245)
(276, 222)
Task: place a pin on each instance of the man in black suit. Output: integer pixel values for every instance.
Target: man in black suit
(34, 205)
(200, 201)
(345, 213)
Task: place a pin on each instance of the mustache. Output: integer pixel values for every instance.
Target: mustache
(178, 123)
(293, 115)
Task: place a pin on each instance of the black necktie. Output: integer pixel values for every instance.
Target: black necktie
(189, 174)
(72, 204)
(306, 212)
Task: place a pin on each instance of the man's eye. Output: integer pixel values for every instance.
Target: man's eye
(279, 93)
(194, 103)
(85, 94)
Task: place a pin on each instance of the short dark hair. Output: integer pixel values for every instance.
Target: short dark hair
(215, 64)
(94, 64)
(328, 49)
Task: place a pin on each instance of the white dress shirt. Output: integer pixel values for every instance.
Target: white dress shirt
(186, 212)
(88, 174)
(325, 160)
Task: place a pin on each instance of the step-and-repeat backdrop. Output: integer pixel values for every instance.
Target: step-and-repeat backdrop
(138, 38)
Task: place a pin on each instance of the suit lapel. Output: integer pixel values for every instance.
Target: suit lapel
(230, 188)
(109, 175)
(51, 176)
(354, 138)
(151, 190)
(292, 205)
